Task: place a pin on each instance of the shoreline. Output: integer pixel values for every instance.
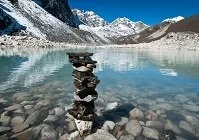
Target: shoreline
(172, 41)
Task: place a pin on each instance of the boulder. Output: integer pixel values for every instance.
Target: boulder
(150, 133)
(20, 127)
(48, 133)
(136, 114)
(17, 120)
(133, 127)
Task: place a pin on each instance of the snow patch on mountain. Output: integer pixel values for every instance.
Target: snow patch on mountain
(19, 20)
(173, 20)
(89, 18)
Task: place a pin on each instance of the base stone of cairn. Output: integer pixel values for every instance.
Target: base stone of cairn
(85, 83)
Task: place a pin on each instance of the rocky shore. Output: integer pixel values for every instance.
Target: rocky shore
(40, 113)
(185, 40)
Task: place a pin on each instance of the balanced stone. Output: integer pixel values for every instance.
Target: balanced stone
(85, 83)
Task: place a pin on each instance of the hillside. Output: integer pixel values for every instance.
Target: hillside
(190, 24)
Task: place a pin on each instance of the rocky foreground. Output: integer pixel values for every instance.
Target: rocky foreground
(40, 114)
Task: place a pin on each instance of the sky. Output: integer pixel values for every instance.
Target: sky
(150, 12)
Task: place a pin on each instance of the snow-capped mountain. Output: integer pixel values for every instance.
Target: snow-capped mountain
(173, 20)
(89, 18)
(31, 17)
(122, 27)
(119, 27)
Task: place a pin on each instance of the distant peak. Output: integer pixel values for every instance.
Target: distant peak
(173, 20)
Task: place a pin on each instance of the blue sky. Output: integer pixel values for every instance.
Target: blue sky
(149, 11)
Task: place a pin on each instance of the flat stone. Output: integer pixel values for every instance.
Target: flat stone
(59, 111)
(13, 107)
(111, 106)
(136, 114)
(133, 127)
(4, 130)
(100, 135)
(181, 98)
(184, 125)
(27, 107)
(170, 126)
(193, 108)
(150, 133)
(88, 98)
(84, 127)
(127, 137)
(155, 124)
(51, 118)
(108, 125)
(17, 120)
(20, 127)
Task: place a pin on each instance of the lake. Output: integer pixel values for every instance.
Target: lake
(163, 84)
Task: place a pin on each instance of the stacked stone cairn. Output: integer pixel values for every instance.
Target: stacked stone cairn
(85, 83)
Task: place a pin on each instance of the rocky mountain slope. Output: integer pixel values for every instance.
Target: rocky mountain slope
(31, 18)
(177, 24)
(190, 24)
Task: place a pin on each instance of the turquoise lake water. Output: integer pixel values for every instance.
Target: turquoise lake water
(165, 81)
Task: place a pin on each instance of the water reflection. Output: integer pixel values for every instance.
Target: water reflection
(43, 63)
